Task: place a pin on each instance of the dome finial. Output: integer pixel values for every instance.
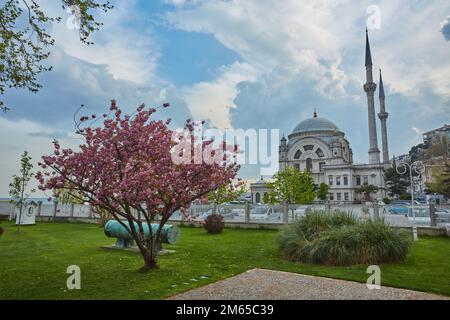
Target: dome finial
(315, 113)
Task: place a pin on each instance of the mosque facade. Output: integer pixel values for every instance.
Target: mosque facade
(319, 146)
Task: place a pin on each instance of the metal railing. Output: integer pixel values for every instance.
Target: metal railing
(397, 215)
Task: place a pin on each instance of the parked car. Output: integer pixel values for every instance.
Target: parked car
(300, 211)
(404, 202)
(398, 209)
(262, 212)
(226, 214)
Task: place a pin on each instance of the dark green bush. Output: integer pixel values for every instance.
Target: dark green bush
(214, 224)
(341, 239)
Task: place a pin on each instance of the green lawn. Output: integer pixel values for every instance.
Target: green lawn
(33, 263)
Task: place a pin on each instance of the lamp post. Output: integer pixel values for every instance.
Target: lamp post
(419, 168)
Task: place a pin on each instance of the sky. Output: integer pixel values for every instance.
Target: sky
(263, 64)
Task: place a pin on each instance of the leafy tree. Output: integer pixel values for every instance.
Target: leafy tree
(367, 190)
(266, 198)
(396, 184)
(18, 187)
(64, 196)
(441, 182)
(227, 193)
(323, 191)
(25, 41)
(291, 186)
(438, 149)
(134, 163)
(405, 196)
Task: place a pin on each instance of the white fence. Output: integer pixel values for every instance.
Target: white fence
(397, 215)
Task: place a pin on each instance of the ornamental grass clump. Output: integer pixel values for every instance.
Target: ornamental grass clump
(342, 239)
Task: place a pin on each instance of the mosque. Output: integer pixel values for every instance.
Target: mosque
(320, 147)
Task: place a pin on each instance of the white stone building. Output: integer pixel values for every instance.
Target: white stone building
(320, 147)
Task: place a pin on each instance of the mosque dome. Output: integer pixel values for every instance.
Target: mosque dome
(315, 124)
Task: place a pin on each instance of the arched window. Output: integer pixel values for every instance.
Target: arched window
(308, 147)
(298, 154)
(320, 153)
(258, 198)
(309, 164)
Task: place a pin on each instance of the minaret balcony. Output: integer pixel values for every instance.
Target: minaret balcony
(370, 87)
(383, 115)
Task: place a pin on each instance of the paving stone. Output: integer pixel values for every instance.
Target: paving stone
(261, 284)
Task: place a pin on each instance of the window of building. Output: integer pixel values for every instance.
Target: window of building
(366, 180)
(308, 147)
(297, 166)
(345, 180)
(338, 196)
(331, 196)
(358, 180)
(298, 154)
(338, 180)
(257, 198)
(321, 166)
(330, 180)
(346, 196)
(309, 164)
(320, 153)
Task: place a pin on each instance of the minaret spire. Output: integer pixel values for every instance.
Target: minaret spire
(369, 88)
(368, 53)
(383, 115)
(382, 96)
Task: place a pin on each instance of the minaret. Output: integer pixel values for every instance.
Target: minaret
(383, 115)
(282, 153)
(369, 88)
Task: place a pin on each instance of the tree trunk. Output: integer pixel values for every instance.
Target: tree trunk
(149, 261)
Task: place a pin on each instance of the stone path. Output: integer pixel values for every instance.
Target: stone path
(260, 284)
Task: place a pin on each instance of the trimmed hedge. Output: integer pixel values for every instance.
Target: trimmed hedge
(341, 239)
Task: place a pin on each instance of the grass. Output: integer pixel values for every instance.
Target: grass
(33, 263)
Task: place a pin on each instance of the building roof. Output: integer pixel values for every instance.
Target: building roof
(315, 124)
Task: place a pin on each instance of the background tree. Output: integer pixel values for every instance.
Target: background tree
(441, 182)
(291, 186)
(227, 193)
(68, 195)
(367, 190)
(323, 191)
(396, 184)
(437, 149)
(137, 164)
(19, 186)
(25, 40)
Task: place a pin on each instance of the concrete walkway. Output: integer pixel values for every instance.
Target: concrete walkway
(260, 284)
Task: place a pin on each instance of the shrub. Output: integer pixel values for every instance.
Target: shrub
(341, 239)
(387, 200)
(1, 231)
(214, 224)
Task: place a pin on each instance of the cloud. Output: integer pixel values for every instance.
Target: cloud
(214, 100)
(128, 50)
(312, 55)
(20, 135)
(49, 134)
(445, 28)
(74, 82)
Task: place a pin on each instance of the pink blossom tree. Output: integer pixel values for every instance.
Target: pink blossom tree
(127, 166)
